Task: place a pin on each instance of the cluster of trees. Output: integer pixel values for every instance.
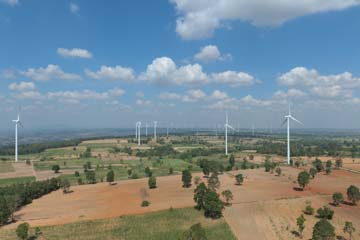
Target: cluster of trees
(198, 152)
(157, 151)
(86, 153)
(210, 166)
(14, 197)
(127, 150)
(208, 200)
(37, 147)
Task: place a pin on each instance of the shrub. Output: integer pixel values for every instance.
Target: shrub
(196, 232)
(22, 231)
(349, 229)
(145, 203)
(227, 194)
(148, 172)
(300, 222)
(353, 194)
(199, 194)
(90, 177)
(337, 198)
(171, 171)
(152, 182)
(77, 174)
(325, 213)
(80, 181)
(323, 230)
(278, 171)
(239, 179)
(110, 176)
(186, 178)
(318, 165)
(55, 168)
(213, 206)
(213, 182)
(5, 211)
(65, 184)
(303, 179)
(309, 210)
(312, 172)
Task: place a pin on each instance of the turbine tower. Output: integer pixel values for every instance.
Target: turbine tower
(136, 130)
(146, 128)
(287, 120)
(226, 134)
(138, 126)
(155, 125)
(17, 122)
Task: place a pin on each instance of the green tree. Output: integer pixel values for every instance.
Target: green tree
(199, 194)
(239, 179)
(171, 171)
(278, 171)
(349, 229)
(186, 178)
(148, 172)
(65, 184)
(325, 213)
(110, 177)
(323, 230)
(303, 179)
(267, 164)
(353, 194)
(318, 165)
(213, 206)
(55, 168)
(90, 177)
(313, 172)
(232, 160)
(300, 221)
(309, 210)
(227, 194)
(338, 163)
(196, 232)
(22, 231)
(5, 212)
(213, 182)
(129, 172)
(152, 182)
(337, 198)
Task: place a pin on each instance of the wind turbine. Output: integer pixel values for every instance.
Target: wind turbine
(138, 126)
(155, 125)
(136, 130)
(287, 120)
(146, 128)
(17, 122)
(226, 134)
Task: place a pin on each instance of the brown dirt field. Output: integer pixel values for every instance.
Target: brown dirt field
(114, 141)
(21, 170)
(264, 207)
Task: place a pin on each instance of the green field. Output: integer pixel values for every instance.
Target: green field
(6, 167)
(164, 225)
(9, 181)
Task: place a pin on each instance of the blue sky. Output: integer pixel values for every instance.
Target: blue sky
(96, 64)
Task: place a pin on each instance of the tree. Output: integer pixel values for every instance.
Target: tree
(152, 182)
(77, 174)
(65, 185)
(323, 230)
(90, 177)
(318, 165)
(349, 229)
(110, 176)
(232, 161)
(196, 232)
(309, 210)
(328, 167)
(300, 221)
(313, 172)
(338, 163)
(325, 213)
(197, 180)
(148, 172)
(213, 206)
(129, 172)
(213, 182)
(227, 194)
(267, 164)
(337, 198)
(278, 171)
(353, 194)
(239, 179)
(22, 231)
(55, 168)
(186, 178)
(5, 212)
(303, 179)
(199, 194)
(171, 170)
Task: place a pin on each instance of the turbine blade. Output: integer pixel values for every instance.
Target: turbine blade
(286, 119)
(20, 124)
(296, 120)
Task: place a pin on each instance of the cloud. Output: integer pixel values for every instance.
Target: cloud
(9, 74)
(163, 71)
(10, 2)
(74, 8)
(291, 93)
(86, 94)
(169, 96)
(194, 95)
(219, 95)
(74, 53)
(112, 73)
(22, 86)
(338, 85)
(30, 95)
(143, 102)
(211, 53)
(199, 19)
(48, 73)
(234, 79)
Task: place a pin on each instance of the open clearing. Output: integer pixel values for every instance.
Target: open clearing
(264, 207)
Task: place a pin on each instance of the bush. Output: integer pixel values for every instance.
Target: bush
(239, 179)
(90, 177)
(196, 232)
(278, 171)
(171, 171)
(145, 203)
(337, 198)
(22, 231)
(227, 194)
(325, 213)
(213, 206)
(303, 179)
(110, 176)
(80, 181)
(186, 178)
(148, 172)
(65, 184)
(213, 182)
(55, 168)
(353, 194)
(152, 182)
(77, 174)
(199, 195)
(309, 210)
(318, 165)
(5, 211)
(312, 172)
(323, 230)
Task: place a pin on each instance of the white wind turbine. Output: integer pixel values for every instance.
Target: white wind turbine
(146, 128)
(155, 125)
(226, 134)
(287, 120)
(138, 127)
(17, 122)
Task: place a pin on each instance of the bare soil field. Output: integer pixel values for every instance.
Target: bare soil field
(264, 207)
(21, 169)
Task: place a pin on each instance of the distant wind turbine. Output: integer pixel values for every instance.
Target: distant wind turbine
(17, 122)
(155, 125)
(226, 134)
(146, 128)
(138, 126)
(287, 120)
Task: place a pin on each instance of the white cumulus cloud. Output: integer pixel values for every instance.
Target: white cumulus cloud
(234, 79)
(22, 86)
(74, 53)
(112, 73)
(48, 73)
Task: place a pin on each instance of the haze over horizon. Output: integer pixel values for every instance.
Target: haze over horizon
(85, 64)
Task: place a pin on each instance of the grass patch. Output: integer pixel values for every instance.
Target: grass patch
(6, 167)
(10, 181)
(163, 225)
